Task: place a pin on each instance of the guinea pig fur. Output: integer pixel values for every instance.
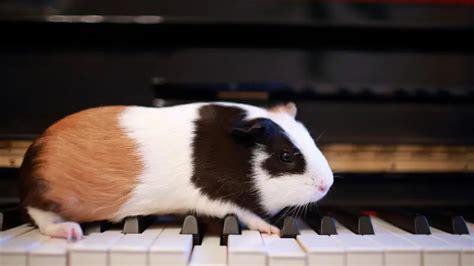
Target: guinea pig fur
(214, 159)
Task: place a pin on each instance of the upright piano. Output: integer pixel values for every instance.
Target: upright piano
(386, 87)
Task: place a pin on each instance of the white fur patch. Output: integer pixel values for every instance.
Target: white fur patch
(52, 225)
(43, 218)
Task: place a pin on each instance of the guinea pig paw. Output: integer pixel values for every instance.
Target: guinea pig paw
(274, 230)
(75, 232)
(67, 230)
(264, 227)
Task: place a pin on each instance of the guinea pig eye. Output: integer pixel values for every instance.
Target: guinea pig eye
(286, 157)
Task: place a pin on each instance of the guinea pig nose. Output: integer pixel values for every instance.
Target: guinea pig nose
(322, 188)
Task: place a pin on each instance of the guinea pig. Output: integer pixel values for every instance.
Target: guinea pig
(214, 159)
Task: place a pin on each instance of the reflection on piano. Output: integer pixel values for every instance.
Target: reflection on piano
(387, 89)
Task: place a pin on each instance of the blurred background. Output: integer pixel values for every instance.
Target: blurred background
(387, 86)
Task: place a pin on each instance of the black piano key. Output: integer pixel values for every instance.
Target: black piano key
(353, 220)
(136, 224)
(365, 226)
(446, 221)
(348, 220)
(408, 221)
(422, 227)
(290, 228)
(231, 227)
(191, 227)
(10, 216)
(95, 227)
(459, 226)
(323, 225)
(287, 224)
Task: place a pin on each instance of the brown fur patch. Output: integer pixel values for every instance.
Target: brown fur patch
(84, 167)
(289, 108)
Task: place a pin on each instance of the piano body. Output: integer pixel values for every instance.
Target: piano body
(387, 86)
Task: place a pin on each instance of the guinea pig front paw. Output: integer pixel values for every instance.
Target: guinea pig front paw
(263, 227)
(66, 230)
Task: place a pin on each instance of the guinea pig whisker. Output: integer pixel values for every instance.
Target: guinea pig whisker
(305, 209)
(285, 213)
(293, 213)
(297, 212)
(320, 135)
(288, 212)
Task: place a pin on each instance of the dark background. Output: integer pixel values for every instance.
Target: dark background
(54, 63)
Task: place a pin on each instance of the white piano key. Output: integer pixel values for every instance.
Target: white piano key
(15, 251)
(132, 249)
(359, 249)
(434, 251)
(246, 249)
(464, 244)
(210, 252)
(321, 249)
(470, 227)
(397, 251)
(16, 231)
(171, 248)
(283, 251)
(52, 252)
(93, 249)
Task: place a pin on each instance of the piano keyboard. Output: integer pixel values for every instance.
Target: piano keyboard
(385, 244)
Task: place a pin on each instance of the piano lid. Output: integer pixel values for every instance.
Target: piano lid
(386, 13)
(266, 23)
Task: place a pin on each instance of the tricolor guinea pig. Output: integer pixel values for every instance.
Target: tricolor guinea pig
(214, 159)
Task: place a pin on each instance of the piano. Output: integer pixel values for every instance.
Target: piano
(387, 87)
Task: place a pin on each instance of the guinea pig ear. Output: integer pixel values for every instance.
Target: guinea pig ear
(289, 108)
(252, 128)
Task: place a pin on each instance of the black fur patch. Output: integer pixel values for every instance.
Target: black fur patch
(275, 166)
(222, 150)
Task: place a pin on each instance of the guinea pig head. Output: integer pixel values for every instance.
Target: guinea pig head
(288, 168)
